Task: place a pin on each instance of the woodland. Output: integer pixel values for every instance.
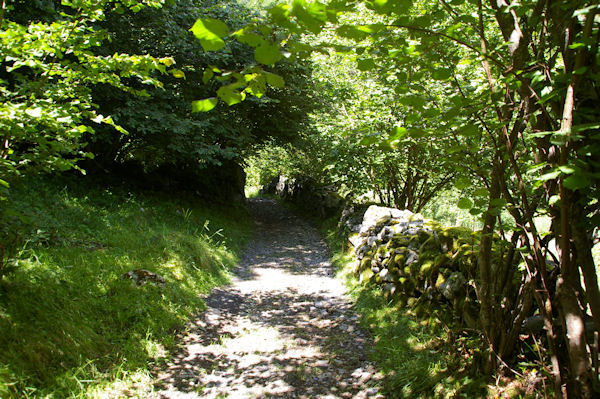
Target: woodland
(477, 113)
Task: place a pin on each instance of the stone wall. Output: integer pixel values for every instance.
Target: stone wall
(306, 194)
(414, 260)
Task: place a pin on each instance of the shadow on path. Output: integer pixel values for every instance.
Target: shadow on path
(284, 328)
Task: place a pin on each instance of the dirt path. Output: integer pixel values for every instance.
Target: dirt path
(282, 329)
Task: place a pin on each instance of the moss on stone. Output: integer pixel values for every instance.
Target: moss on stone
(365, 263)
(366, 275)
(399, 260)
(439, 280)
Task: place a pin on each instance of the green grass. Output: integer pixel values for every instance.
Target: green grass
(70, 324)
(417, 353)
(252, 191)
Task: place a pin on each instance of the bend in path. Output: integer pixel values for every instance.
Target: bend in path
(284, 328)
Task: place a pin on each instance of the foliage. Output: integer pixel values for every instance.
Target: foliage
(168, 130)
(267, 162)
(70, 324)
(505, 91)
(47, 70)
(418, 353)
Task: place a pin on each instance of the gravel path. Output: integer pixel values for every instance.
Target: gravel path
(283, 329)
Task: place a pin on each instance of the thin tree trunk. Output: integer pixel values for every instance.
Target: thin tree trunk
(485, 293)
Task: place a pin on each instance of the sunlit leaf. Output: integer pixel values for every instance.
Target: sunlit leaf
(267, 53)
(204, 105)
(550, 175)
(210, 32)
(465, 203)
(365, 64)
(231, 95)
(177, 73)
(398, 133)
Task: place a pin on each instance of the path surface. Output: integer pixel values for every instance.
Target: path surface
(282, 329)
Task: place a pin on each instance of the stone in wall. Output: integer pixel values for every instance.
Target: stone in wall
(410, 257)
(305, 193)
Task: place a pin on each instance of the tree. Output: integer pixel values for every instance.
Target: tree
(47, 71)
(168, 138)
(512, 85)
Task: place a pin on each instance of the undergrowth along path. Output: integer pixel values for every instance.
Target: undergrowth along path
(284, 327)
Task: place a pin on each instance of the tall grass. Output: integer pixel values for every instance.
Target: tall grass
(70, 324)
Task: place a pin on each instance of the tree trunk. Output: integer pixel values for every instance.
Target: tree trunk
(485, 289)
(579, 383)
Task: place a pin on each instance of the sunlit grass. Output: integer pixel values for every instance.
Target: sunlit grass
(70, 324)
(252, 191)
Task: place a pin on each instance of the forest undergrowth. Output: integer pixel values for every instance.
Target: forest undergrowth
(71, 324)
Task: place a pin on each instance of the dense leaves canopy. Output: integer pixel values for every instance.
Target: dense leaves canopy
(389, 97)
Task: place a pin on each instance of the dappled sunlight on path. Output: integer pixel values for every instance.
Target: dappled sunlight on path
(284, 328)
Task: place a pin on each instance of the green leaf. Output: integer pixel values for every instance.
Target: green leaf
(312, 17)
(481, 192)
(398, 133)
(207, 75)
(442, 74)
(168, 61)
(368, 140)
(351, 32)
(465, 203)
(366, 64)
(567, 169)
(495, 211)
(389, 6)
(576, 45)
(4, 183)
(550, 175)
(462, 183)
(249, 38)
(257, 86)
(209, 32)
(267, 53)
(469, 130)
(204, 105)
(417, 133)
(177, 73)
(498, 202)
(230, 95)
(280, 14)
(575, 182)
(274, 80)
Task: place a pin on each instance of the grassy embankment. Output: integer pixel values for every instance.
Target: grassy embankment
(70, 324)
